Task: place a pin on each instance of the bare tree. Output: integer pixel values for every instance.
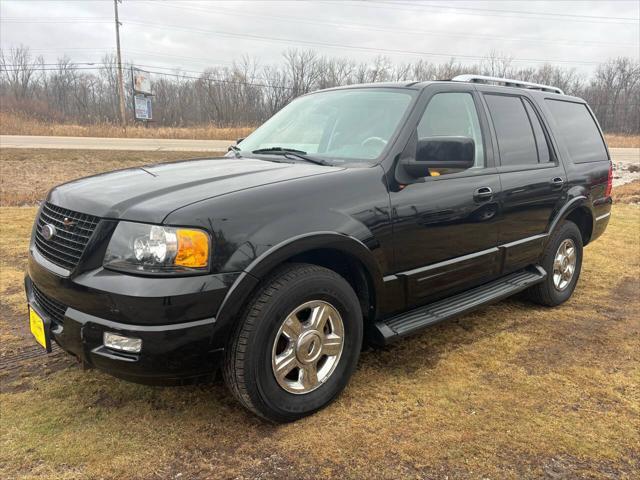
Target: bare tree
(247, 93)
(18, 68)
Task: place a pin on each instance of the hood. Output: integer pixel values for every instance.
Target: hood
(150, 193)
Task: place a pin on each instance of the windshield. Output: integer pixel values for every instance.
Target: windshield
(339, 125)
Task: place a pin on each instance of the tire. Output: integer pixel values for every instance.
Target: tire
(252, 353)
(548, 292)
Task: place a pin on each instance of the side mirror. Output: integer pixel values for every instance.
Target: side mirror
(440, 152)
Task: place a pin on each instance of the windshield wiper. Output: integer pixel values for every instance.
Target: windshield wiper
(291, 152)
(236, 150)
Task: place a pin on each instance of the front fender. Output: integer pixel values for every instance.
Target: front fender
(353, 247)
(256, 229)
(240, 292)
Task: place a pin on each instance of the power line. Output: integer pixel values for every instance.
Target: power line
(343, 46)
(502, 13)
(370, 27)
(54, 20)
(47, 69)
(379, 28)
(206, 62)
(202, 75)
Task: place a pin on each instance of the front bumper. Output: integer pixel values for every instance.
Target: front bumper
(174, 317)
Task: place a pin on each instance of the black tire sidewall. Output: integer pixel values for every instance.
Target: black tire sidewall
(262, 383)
(568, 230)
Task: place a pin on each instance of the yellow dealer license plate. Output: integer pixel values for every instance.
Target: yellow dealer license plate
(38, 329)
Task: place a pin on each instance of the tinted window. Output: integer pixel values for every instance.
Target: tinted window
(453, 115)
(578, 129)
(516, 142)
(541, 141)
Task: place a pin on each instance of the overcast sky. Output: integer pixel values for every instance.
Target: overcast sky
(193, 35)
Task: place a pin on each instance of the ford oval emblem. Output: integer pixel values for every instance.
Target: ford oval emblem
(48, 231)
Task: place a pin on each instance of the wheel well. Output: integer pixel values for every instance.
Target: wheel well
(583, 219)
(350, 268)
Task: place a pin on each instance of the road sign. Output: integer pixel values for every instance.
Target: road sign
(142, 107)
(141, 81)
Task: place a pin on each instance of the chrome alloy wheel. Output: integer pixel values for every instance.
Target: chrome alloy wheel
(308, 347)
(564, 264)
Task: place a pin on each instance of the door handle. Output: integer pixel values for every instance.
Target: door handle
(557, 182)
(483, 193)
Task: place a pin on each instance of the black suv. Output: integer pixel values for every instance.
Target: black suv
(358, 214)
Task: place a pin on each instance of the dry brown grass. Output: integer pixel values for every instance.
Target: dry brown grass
(622, 141)
(15, 124)
(627, 193)
(512, 390)
(28, 174)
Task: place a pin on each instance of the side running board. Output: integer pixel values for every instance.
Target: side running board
(406, 323)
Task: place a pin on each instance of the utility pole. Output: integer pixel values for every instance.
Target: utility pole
(123, 114)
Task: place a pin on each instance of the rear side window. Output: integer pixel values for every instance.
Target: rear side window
(579, 131)
(541, 141)
(516, 141)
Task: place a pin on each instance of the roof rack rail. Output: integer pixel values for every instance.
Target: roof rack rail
(507, 82)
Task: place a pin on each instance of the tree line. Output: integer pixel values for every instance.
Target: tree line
(248, 93)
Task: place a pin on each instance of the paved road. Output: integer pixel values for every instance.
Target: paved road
(97, 143)
(625, 155)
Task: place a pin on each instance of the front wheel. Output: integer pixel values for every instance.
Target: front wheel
(562, 260)
(297, 344)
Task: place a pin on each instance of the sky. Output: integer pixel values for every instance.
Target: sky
(193, 35)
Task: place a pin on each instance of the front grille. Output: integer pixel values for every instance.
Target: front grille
(67, 245)
(50, 307)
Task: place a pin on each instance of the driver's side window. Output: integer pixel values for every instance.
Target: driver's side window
(452, 114)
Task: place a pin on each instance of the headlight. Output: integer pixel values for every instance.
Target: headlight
(146, 248)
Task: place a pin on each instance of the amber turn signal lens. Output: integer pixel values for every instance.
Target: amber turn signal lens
(193, 248)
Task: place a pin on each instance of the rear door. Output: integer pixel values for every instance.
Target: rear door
(532, 177)
(445, 225)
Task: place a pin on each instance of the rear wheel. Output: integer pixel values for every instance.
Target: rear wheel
(562, 260)
(297, 344)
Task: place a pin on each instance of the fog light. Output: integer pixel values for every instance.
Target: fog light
(122, 343)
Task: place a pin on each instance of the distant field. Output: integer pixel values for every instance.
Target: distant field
(12, 124)
(28, 174)
(622, 141)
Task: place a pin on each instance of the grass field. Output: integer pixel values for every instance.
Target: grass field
(15, 124)
(512, 390)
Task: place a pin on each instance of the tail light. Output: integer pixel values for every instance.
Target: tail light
(607, 192)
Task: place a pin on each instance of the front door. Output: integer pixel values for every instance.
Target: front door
(445, 225)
